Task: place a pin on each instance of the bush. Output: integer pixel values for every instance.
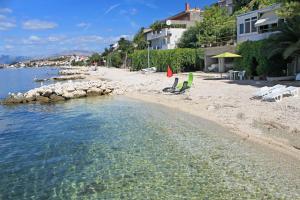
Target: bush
(255, 61)
(115, 59)
(78, 63)
(178, 59)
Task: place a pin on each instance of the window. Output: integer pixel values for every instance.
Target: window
(253, 27)
(247, 25)
(241, 28)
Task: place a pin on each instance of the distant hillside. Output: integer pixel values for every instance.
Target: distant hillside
(75, 52)
(7, 59)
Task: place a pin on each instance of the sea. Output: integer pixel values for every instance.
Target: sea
(121, 148)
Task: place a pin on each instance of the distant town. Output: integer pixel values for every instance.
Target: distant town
(65, 60)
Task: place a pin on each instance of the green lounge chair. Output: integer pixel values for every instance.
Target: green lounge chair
(190, 81)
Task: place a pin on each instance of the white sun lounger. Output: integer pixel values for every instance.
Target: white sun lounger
(278, 93)
(267, 90)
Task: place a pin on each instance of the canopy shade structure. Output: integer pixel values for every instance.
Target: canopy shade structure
(267, 18)
(227, 55)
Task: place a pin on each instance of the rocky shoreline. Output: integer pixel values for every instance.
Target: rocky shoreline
(60, 92)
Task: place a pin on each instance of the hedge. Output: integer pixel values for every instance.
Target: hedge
(254, 54)
(178, 59)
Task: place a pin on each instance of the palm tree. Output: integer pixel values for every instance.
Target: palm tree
(287, 41)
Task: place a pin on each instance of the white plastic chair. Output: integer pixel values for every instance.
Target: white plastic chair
(242, 75)
(230, 73)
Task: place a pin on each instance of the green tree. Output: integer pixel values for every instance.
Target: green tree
(106, 52)
(125, 46)
(116, 59)
(287, 41)
(140, 40)
(95, 58)
(189, 38)
(217, 26)
(253, 4)
(289, 9)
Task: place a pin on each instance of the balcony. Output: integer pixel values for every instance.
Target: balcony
(158, 34)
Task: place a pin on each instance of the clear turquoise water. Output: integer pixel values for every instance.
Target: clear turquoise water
(118, 148)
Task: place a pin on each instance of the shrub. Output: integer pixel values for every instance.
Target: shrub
(78, 63)
(115, 59)
(255, 61)
(178, 59)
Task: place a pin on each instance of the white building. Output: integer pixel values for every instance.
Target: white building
(258, 24)
(167, 38)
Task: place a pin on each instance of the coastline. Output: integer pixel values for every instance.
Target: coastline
(226, 103)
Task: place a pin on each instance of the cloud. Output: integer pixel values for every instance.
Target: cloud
(111, 8)
(36, 24)
(50, 44)
(132, 11)
(55, 38)
(32, 40)
(147, 3)
(89, 38)
(5, 10)
(8, 47)
(6, 23)
(83, 25)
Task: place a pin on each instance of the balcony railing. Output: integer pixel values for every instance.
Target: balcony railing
(157, 34)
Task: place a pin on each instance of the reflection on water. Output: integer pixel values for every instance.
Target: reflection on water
(116, 148)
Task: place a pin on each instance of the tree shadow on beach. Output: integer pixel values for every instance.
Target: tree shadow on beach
(260, 83)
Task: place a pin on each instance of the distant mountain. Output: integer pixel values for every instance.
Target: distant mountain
(75, 52)
(7, 59)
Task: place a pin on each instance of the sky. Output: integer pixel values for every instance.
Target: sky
(45, 27)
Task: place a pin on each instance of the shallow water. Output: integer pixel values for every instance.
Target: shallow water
(118, 148)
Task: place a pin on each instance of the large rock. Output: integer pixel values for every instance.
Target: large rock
(94, 92)
(79, 93)
(56, 98)
(12, 100)
(107, 91)
(70, 88)
(61, 91)
(58, 91)
(42, 99)
(68, 95)
(47, 93)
